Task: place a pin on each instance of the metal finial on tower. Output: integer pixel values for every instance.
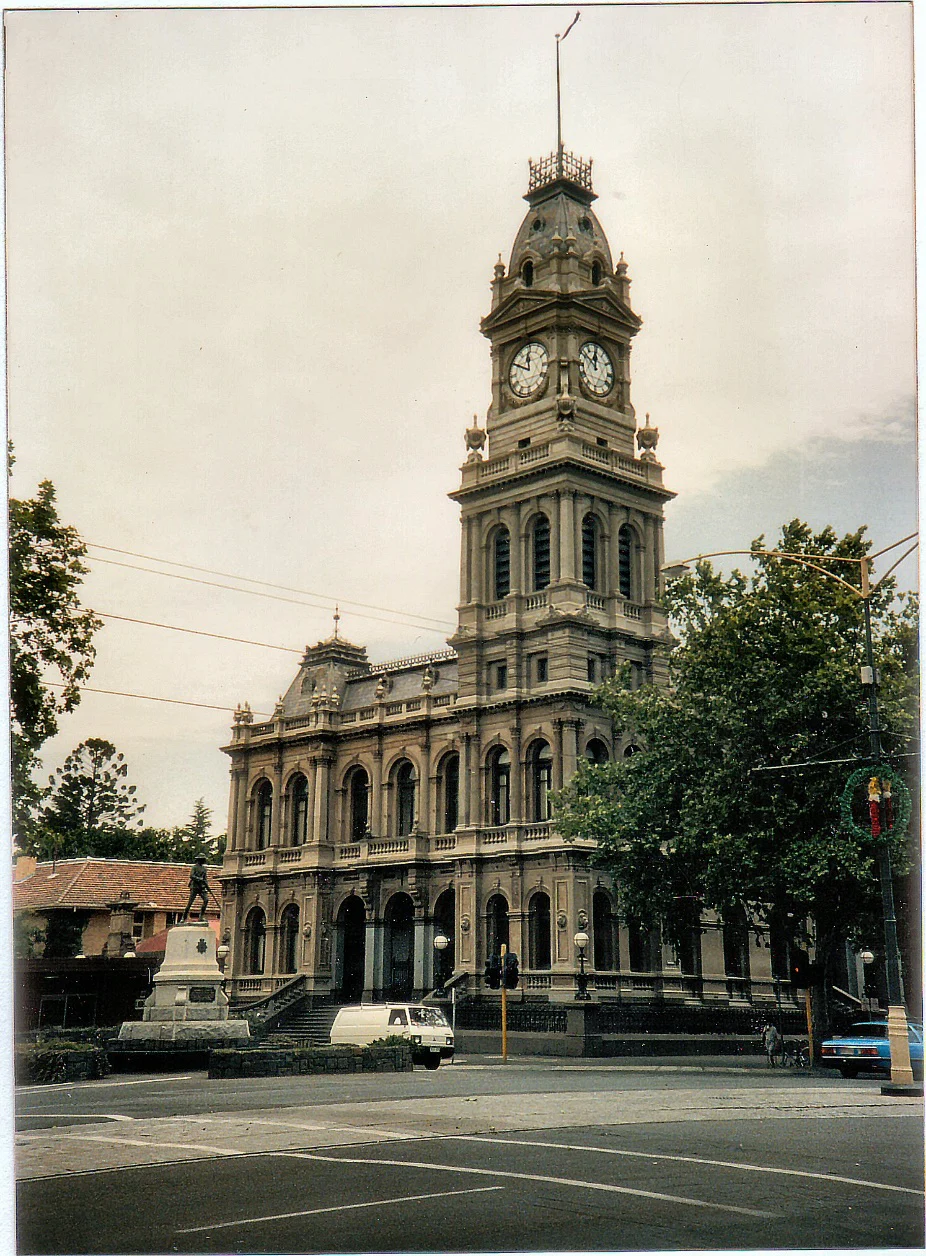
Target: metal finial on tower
(559, 110)
(337, 620)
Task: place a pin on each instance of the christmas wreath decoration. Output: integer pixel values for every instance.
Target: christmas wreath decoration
(889, 805)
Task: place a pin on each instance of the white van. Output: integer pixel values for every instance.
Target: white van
(426, 1028)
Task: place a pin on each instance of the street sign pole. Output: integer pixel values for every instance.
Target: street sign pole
(504, 1006)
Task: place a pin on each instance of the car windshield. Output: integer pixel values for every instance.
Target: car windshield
(427, 1016)
(867, 1030)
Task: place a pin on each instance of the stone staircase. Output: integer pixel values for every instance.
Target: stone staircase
(309, 1025)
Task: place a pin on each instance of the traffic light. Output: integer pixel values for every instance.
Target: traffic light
(493, 972)
(800, 969)
(511, 974)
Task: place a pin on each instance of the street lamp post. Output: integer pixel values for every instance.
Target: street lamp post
(582, 994)
(901, 1071)
(867, 957)
(440, 945)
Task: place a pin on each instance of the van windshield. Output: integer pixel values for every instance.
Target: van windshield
(427, 1016)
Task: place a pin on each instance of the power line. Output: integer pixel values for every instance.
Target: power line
(147, 697)
(197, 632)
(267, 584)
(112, 562)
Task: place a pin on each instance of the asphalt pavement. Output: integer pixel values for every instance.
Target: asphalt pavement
(480, 1156)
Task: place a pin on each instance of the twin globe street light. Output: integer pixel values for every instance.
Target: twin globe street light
(901, 1071)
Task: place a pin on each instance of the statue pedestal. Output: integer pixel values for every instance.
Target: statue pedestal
(188, 1007)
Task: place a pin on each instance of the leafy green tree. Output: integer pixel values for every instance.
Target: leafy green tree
(92, 809)
(765, 673)
(51, 639)
(182, 844)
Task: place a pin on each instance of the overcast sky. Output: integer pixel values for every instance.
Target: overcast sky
(248, 252)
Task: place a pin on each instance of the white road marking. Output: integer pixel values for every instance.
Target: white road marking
(75, 1116)
(365, 1130)
(532, 1177)
(97, 1083)
(142, 1142)
(311, 1212)
(723, 1164)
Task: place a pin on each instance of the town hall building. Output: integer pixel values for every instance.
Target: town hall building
(388, 803)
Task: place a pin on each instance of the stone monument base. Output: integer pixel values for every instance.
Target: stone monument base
(188, 1009)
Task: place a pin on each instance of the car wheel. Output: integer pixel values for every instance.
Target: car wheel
(848, 1070)
(432, 1062)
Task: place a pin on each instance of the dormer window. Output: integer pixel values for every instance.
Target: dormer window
(527, 274)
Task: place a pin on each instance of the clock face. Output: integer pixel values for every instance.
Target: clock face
(528, 369)
(596, 369)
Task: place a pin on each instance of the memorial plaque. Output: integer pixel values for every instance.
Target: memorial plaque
(202, 994)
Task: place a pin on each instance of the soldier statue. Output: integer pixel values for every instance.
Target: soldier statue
(199, 888)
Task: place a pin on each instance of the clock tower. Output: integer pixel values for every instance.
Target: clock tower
(561, 515)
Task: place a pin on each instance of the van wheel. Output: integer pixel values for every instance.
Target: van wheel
(432, 1062)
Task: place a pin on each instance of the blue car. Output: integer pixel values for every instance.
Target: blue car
(864, 1047)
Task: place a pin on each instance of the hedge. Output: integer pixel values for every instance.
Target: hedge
(295, 1061)
(58, 1061)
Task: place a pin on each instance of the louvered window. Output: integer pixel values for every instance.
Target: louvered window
(589, 554)
(502, 564)
(541, 552)
(625, 561)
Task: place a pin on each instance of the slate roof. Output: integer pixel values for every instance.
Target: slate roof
(93, 883)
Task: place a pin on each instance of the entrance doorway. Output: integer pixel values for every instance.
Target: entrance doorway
(398, 948)
(350, 944)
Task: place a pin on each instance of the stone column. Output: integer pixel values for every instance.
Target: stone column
(515, 550)
(558, 751)
(276, 830)
(375, 810)
(372, 958)
(554, 506)
(422, 970)
(567, 535)
(475, 781)
(311, 774)
(465, 580)
(570, 750)
(423, 816)
(517, 776)
(322, 802)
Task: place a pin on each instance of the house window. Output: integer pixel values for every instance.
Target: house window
(405, 798)
(596, 273)
(736, 945)
(358, 794)
(498, 675)
(540, 771)
(449, 784)
(289, 937)
(538, 918)
(138, 925)
(541, 668)
(255, 937)
(300, 825)
(590, 552)
(596, 752)
(527, 274)
(604, 933)
(499, 786)
(496, 924)
(592, 669)
(541, 552)
(264, 815)
(502, 564)
(625, 561)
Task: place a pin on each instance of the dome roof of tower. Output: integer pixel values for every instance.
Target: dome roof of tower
(553, 218)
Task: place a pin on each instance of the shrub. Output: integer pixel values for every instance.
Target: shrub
(59, 1061)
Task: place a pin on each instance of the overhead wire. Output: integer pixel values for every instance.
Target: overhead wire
(267, 584)
(174, 575)
(197, 632)
(148, 697)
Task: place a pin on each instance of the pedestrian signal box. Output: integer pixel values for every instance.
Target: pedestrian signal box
(493, 972)
(511, 976)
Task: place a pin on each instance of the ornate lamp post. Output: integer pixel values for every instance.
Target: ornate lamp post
(440, 945)
(901, 1071)
(867, 957)
(582, 994)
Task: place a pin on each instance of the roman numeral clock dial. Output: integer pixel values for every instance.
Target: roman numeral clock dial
(528, 369)
(596, 369)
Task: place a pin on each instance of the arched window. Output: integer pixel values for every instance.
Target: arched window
(358, 795)
(590, 552)
(264, 815)
(596, 273)
(405, 798)
(538, 918)
(597, 752)
(527, 274)
(688, 944)
(779, 941)
(255, 937)
(541, 547)
(448, 793)
(289, 938)
(496, 924)
(540, 779)
(501, 564)
(639, 946)
(499, 765)
(398, 946)
(300, 818)
(604, 933)
(625, 561)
